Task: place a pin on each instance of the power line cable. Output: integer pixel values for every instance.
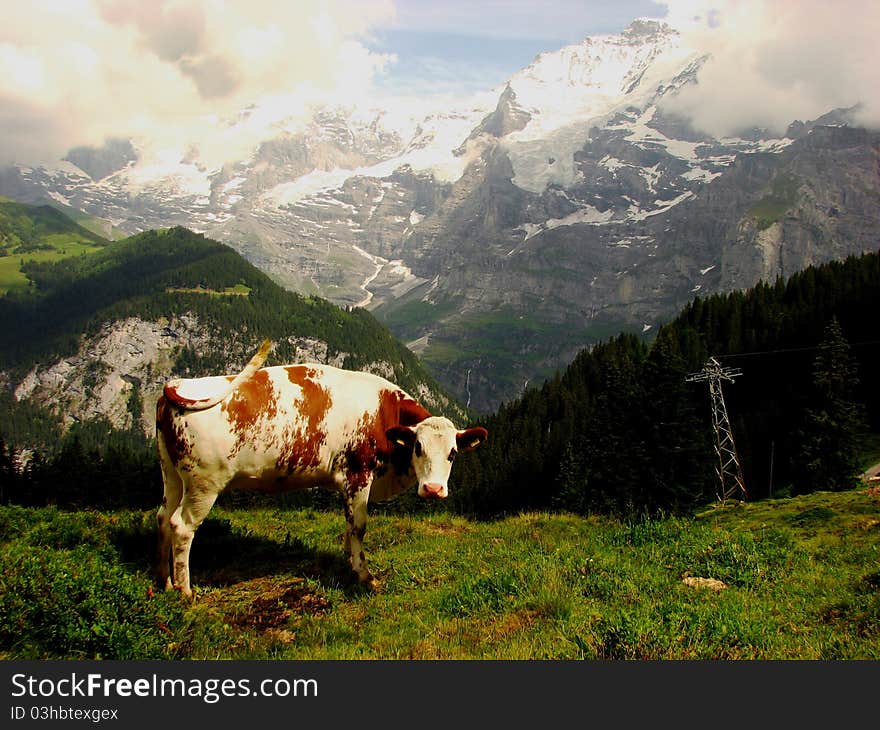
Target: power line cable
(790, 349)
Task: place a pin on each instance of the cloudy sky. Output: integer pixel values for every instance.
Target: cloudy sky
(77, 72)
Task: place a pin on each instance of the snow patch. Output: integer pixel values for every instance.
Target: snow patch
(636, 214)
(58, 197)
(611, 163)
(587, 215)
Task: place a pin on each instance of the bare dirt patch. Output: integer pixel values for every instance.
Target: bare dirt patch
(267, 604)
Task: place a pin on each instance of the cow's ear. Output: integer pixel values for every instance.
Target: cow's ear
(401, 436)
(471, 438)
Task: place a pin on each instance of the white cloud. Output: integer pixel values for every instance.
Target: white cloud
(559, 20)
(774, 61)
(175, 72)
(75, 72)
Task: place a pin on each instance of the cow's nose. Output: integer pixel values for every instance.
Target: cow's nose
(433, 490)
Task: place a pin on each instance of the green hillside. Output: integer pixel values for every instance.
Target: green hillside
(40, 234)
(160, 274)
(794, 578)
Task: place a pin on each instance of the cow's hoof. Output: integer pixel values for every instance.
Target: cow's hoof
(369, 582)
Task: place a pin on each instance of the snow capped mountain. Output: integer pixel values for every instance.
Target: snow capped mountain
(501, 235)
(597, 76)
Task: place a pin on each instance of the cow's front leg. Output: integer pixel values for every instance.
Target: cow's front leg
(356, 517)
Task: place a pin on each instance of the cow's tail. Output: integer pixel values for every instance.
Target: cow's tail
(256, 362)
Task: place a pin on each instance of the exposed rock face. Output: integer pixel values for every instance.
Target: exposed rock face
(99, 163)
(508, 117)
(125, 358)
(120, 372)
(625, 247)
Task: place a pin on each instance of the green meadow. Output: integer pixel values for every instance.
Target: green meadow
(40, 234)
(794, 578)
(12, 278)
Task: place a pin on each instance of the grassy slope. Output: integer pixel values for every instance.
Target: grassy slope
(38, 233)
(803, 583)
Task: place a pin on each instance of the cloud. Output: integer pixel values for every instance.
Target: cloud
(566, 21)
(173, 73)
(77, 72)
(774, 61)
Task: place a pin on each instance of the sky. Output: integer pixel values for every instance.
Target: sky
(177, 72)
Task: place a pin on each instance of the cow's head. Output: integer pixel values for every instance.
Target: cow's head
(434, 444)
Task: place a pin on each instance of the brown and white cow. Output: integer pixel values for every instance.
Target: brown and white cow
(289, 427)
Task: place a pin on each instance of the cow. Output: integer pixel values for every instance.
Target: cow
(289, 427)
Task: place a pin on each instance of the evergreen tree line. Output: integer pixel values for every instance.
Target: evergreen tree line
(622, 431)
(93, 465)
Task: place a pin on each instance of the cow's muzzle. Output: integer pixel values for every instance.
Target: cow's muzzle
(433, 491)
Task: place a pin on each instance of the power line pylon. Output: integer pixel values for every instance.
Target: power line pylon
(730, 478)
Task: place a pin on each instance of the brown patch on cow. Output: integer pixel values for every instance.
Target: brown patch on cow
(370, 446)
(270, 481)
(411, 412)
(361, 454)
(301, 445)
(251, 403)
(172, 430)
(395, 409)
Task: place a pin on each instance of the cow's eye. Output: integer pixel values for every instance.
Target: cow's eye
(452, 455)
(418, 448)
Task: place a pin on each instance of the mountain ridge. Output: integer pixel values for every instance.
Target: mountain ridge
(564, 201)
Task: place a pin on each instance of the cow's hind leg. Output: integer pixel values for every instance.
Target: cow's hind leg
(198, 498)
(356, 517)
(173, 491)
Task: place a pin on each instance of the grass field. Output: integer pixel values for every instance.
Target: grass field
(11, 275)
(239, 290)
(43, 233)
(801, 577)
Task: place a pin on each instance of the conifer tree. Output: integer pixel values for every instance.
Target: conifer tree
(834, 423)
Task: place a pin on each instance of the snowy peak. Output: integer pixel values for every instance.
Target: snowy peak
(592, 77)
(608, 62)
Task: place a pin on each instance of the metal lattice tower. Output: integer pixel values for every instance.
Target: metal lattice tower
(730, 478)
